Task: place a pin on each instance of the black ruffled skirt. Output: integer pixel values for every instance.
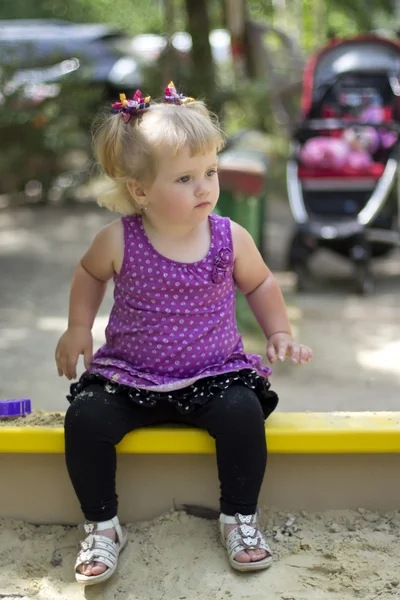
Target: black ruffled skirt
(186, 400)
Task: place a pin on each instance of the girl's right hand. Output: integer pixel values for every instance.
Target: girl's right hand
(75, 341)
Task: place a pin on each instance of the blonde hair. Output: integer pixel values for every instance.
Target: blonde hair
(127, 151)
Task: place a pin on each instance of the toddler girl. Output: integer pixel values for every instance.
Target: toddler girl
(172, 352)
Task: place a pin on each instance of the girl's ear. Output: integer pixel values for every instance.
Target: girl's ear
(137, 191)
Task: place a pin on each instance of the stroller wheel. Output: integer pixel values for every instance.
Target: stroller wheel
(364, 281)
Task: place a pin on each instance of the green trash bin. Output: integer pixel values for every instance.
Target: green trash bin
(242, 178)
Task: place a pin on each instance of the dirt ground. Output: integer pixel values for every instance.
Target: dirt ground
(355, 340)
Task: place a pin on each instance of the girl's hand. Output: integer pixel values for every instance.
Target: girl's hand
(75, 341)
(281, 345)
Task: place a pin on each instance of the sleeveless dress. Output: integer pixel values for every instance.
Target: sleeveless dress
(172, 333)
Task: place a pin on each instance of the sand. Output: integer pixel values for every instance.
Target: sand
(336, 555)
(37, 418)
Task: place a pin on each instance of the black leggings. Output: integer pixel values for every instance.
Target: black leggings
(96, 421)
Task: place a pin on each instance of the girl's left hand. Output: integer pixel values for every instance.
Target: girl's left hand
(281, 345)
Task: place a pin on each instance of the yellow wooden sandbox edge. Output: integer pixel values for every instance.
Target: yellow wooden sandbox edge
(287, 433)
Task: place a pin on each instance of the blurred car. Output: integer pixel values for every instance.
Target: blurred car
(38, 54)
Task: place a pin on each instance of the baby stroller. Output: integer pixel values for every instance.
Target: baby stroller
(342, 174)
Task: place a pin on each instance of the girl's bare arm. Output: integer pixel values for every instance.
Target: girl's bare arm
(263, 294)
(89, 285)
(258, 284)
(95, 269)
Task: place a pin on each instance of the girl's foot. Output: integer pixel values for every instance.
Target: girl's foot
(244, 542)
(98, 557)
(96, 567)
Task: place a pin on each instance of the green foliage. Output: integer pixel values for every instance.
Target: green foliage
(137, 16)
(147, 16)
(339, 17)
(40, 134)
(237, 113)
(352, 17)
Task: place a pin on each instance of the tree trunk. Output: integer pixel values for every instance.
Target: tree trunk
(203, 77)
(169, 20)
(235, 12)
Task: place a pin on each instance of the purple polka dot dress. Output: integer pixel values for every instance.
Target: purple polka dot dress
(172, 328)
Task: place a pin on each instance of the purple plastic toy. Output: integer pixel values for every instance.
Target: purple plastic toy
(15, 408)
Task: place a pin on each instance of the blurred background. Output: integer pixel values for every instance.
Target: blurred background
(60, 62)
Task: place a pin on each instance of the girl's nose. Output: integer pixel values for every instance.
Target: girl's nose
(201, 189)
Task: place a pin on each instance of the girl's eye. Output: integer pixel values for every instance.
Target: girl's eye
(184, 179)
(211, 172)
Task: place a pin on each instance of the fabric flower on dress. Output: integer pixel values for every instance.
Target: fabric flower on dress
(222, 262)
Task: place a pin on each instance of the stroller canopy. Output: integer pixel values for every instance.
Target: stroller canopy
(362, 55)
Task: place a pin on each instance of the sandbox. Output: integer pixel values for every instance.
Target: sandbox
(317, 461)
(334, 477)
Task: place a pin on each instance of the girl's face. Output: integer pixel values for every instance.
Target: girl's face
(185, 190)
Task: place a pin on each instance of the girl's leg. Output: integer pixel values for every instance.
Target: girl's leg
(236, 420)
(95, 422)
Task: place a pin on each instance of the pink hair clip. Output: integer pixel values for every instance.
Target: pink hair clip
(172, 96)
(134, 107)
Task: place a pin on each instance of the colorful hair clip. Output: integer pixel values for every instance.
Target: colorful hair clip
(134, 107)
(172, 96)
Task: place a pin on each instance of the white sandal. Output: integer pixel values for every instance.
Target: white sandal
(246, 536)
(99, 548)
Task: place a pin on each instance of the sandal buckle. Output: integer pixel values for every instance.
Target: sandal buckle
(243, 519)
(247, 531)
(89, 527)
(251, 543)
(88, 543)
(86, 557)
